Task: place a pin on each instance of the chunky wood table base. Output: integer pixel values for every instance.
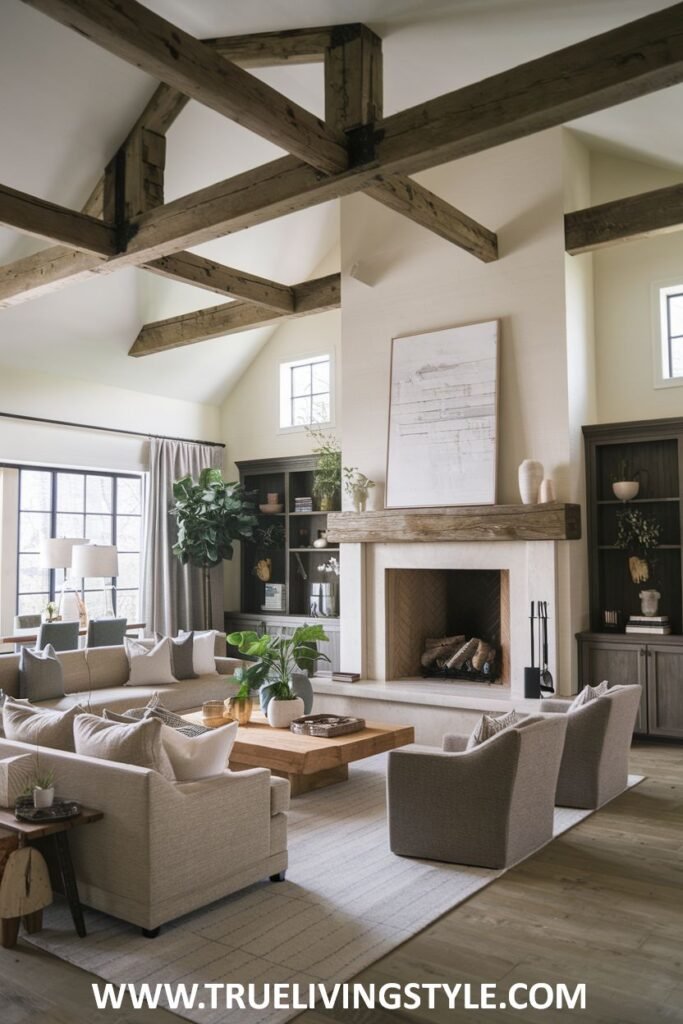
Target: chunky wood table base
(309, 762)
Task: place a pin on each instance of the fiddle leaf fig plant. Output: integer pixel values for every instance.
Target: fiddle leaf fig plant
(211, 515)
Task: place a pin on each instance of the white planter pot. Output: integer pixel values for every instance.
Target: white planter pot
(649, 601)
(43, 797)
(625, 490)
(529, 475)
(281, 713)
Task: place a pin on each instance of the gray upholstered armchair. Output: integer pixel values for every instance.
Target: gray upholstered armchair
(489, 806)
(594, 766)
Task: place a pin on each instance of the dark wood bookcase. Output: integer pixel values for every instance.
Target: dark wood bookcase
(654, 448)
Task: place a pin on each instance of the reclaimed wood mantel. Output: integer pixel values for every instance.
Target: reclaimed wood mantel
(551, 521)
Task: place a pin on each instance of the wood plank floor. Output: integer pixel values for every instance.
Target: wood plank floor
(601, 905)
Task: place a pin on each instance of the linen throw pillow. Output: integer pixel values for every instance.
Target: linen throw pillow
(148, 668)
(41, 676)
(490, 725)
(182, 655)
(43, 727)
(199, 757)
(203, 653)
(588, 694)
(137, 743)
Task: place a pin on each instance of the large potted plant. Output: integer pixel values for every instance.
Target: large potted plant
(280, 658)
(327, 474)
(211, 515)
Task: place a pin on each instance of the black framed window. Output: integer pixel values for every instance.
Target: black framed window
(674, 332)
(310, 392)
(105, 508)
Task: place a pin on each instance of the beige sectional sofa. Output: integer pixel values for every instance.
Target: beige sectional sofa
(162, 849)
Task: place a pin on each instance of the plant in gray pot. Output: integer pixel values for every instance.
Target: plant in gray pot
(284, 660)
(211, 515)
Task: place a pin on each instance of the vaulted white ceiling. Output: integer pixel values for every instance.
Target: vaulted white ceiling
(66, 105)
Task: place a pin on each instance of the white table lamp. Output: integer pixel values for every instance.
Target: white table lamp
(57, 553)
(98, 561)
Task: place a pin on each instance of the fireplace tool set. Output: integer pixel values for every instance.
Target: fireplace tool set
(538, 679)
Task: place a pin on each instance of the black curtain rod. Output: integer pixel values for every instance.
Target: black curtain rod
(106, 430)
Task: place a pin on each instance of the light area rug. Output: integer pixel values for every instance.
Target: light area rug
(347, 902)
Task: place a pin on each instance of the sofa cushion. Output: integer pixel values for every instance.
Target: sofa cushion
(490, 725)
(44, 727)
(198, 757)
(136, 743)
(152, 668)
(182, 655)
(588, 694)
(41, 676)
(204, 652)
(107, 666)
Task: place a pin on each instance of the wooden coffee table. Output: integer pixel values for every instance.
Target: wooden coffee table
(309, 762)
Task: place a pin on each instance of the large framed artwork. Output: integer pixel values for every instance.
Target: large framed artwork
(443, 418)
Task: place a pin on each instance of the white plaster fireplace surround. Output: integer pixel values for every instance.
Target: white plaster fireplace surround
(525, 542)
(532, 568)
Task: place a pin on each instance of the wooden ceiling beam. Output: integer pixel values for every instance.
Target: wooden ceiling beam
(624, 220)
(215, 277)
(33, 216)
(136, 34)
(628, 61)
(315, 296)
(271, 49)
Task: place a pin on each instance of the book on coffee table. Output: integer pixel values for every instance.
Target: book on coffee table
(345, 677)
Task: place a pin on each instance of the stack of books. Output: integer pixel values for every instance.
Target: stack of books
(658, 625)
(303, 504)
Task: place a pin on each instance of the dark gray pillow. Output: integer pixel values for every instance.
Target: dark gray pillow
(40, 674)
(182, 653)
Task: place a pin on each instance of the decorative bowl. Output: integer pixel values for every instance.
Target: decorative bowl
(270, 510)
(625, 490)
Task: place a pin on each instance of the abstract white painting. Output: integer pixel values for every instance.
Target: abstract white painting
(443, 418)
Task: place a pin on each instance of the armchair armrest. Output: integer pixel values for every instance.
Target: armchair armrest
(453, 743)
(554, 706)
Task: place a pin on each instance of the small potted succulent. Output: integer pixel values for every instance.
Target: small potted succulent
(625, 484)
(281, 660)
(249, 677)
(43, 789)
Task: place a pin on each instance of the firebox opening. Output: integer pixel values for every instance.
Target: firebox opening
(449, 624)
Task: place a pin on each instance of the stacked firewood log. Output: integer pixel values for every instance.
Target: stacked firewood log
(457, 653)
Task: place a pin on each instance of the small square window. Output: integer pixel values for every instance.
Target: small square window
(671, 333)
(305, 393)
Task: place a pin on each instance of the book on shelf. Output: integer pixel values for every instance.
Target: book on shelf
(652, 630)
(345, 677)
(649, 620)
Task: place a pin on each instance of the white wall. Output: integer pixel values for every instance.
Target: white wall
(624, 280)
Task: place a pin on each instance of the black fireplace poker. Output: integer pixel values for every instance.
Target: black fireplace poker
(532, 675)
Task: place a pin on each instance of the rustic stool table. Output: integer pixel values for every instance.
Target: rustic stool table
(58, 832)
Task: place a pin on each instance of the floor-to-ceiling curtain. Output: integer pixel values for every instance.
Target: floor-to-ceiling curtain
(172, 593)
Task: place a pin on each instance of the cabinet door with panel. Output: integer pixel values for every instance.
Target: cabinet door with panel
(619, 663)
(665, 691)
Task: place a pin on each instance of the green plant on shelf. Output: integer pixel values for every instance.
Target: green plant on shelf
(638, 533)
(327, 474)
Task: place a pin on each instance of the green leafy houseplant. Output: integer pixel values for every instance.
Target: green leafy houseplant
(639, 534)
(211, 515)
(279, 656)
(327, 474)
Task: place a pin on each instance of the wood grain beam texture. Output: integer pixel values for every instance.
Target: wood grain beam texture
(33, 216)
(353, 98)
(136, 34)
(317, 296)
(626, 62)
(215, 277)
(623, 220)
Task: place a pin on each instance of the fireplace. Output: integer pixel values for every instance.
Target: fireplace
(448, 623)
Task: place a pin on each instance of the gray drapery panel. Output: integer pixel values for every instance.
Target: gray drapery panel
(172, 593)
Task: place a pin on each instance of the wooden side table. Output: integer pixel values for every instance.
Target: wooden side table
(58, 833)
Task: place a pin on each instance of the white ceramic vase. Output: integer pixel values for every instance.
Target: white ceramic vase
(649, 601)
(43, 797)
(281, 713)
(547, 491)
(625, 490)
(530, 475)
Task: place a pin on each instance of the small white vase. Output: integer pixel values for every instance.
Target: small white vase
(43, 797)
(624, 490)
(530, 474)
(281, 713)
(547, 491)
(649, 601)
